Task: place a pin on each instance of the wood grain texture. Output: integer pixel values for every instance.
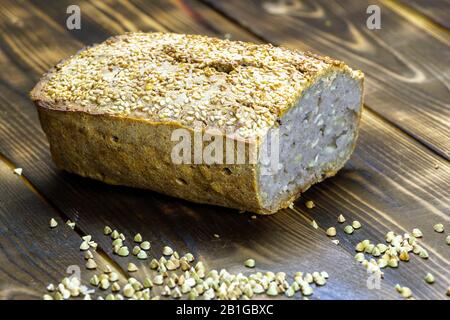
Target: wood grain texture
(407, 70)
(390, 183)
(435, 10)
(32, 255)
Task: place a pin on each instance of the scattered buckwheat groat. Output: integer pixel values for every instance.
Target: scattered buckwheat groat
(132, 267)
(310, 204)
(417, 233)
(138, 238)
(123, 251)
(341, 219)
(356, 224)
(107, 230)
(90, 264)
(145, 245)
(250, 263)
(439, 227)
(348, 229)
(84, 246)
(70, 224)
(331, 232)
(404, 291)
(167, 251)
(176, 276)
(53, 223)
(429, 278)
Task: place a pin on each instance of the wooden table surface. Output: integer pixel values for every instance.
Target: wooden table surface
(397, 179)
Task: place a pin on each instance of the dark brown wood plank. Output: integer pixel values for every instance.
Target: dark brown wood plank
(435, 10)
(32, 255)
(407, 70)
(283, 242)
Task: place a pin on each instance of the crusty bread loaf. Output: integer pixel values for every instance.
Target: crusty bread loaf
(111, 110)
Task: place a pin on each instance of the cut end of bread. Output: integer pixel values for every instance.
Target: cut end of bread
(316, 137)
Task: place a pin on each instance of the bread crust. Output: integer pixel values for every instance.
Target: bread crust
(136, 152)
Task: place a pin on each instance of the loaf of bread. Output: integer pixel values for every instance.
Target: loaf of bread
(119, 111)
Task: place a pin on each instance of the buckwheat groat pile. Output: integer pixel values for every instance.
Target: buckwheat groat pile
(109, 113)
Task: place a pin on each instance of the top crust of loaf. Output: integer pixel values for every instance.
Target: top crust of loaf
(192, 80)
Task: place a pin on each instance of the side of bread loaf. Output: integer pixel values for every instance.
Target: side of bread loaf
(110, 112)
